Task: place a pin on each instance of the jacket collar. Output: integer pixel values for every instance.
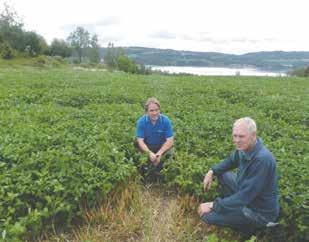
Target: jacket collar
(251, 154)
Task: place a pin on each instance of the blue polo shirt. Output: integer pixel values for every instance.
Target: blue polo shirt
(154, 134)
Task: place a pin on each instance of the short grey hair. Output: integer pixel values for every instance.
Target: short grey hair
(249, 122)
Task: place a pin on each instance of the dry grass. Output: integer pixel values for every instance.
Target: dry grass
(141, 213)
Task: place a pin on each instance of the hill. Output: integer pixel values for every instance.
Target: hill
(266, 60)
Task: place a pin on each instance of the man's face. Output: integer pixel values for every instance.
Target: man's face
(153, 111)
(242, 139)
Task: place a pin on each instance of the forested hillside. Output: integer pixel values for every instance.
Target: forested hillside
(272, 60)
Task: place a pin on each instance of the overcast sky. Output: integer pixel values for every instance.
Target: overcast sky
(228, 26)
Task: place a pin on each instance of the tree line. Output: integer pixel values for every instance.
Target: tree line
(300, 72)
(79, 47)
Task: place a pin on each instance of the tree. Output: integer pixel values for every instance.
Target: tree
(112, 55)
(11, 30)
(34, 43)
(300, 72)
(142, 69)
(116, 58)
(6, 51)
(79, 40)
(126, 64)
(59, 47)
(94, 51)
(306, 71)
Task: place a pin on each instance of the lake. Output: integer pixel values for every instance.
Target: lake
(216, 71)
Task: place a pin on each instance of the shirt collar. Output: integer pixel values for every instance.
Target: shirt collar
(148, 119)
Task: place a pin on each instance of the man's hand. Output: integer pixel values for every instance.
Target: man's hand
(208, 180)
(205, 208)
(158, 159)
(152, 156)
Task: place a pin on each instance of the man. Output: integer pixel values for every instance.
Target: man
(154, 133)
(250, 198)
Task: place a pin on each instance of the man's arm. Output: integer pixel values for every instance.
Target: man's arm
(144, 148)
(140, 135)
(208, 180)
(229, 163)
(226, 165)
(165, 147)
(257, 177)
(169, 136)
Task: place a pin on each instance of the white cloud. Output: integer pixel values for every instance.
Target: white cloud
(236, 26)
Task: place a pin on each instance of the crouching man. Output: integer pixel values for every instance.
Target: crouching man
(154, 134)
(249, 198)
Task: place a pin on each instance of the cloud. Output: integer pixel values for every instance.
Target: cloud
(222, 40)
(163, 35)
(106, 22)
(111, 38)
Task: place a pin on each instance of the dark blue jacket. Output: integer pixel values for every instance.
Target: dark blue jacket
(257, 186)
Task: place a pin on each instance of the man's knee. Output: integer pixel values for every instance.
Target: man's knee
(211, 218)
(204, 218)
(227, 183)
(235, 221)
(227, 178)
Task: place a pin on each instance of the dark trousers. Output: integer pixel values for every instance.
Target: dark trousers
(149, 168)
(242, 219)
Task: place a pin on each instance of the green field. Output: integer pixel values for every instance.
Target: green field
(67, 139)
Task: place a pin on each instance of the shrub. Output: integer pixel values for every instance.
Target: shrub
(7, 52)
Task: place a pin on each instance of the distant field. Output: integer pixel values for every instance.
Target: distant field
(66, 138)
